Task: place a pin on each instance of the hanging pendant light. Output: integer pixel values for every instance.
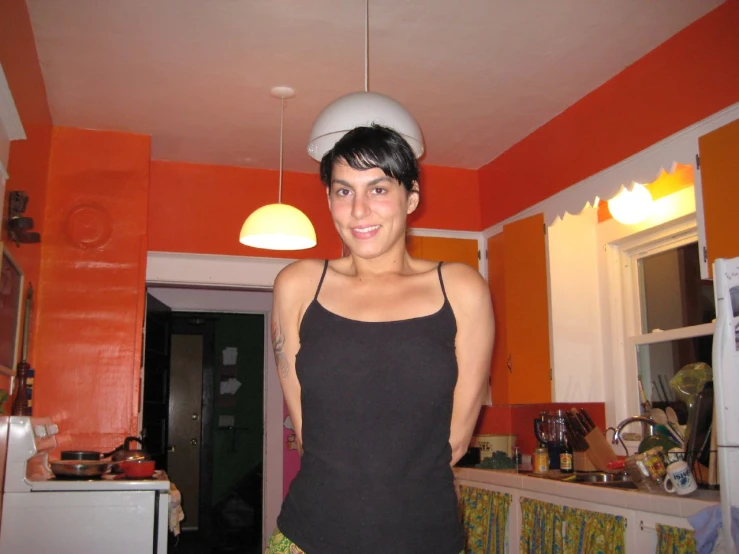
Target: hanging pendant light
(279, 226)
(362, 108)
(631, 206)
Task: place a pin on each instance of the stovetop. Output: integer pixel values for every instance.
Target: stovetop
(108, 482)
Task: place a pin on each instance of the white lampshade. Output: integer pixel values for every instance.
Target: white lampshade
(278, 227)
(358, 109)
(631, 206)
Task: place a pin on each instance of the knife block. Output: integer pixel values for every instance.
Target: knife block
(599, 451)
(581, 462)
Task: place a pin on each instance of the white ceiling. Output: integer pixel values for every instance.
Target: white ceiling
(478, 75)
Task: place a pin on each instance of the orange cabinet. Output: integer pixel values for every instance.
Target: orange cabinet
(444, 249)
(719, 170)
(517, 273)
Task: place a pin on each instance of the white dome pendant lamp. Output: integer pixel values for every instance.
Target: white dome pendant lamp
(278, 226)
(362, 108)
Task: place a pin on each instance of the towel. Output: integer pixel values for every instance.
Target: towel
(707, 525)
(176, 513)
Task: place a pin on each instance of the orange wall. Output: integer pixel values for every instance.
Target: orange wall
(200, 208)
(28, 161)
(91, 298)
(689, 77)
(450, 199)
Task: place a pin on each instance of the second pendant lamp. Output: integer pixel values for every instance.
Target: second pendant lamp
(279, 226)
(362, 108)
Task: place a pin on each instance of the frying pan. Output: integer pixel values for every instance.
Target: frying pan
(78, 469)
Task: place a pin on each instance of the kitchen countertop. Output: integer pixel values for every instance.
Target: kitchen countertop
(667, 504)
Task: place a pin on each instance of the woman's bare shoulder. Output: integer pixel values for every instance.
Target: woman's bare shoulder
(294, 280)
(464, 284)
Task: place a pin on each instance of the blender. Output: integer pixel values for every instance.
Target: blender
(549, 429)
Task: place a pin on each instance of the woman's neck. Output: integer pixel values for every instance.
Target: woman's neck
(392, 262)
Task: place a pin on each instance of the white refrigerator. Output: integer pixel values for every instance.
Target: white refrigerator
(726, 386)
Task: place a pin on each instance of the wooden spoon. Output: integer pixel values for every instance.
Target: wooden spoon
(671, 415)
(659, 416)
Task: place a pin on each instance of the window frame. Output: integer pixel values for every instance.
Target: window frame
(623, 257)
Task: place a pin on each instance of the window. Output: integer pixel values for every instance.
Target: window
(672, 311)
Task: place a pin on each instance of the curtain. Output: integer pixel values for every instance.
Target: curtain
(485, 518)
(587, 532)
(675, 540)
(541, 527)
(553, 529)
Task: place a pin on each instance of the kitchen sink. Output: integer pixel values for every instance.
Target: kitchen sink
(603, 479)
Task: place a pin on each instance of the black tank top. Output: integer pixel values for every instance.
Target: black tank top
(376, 402)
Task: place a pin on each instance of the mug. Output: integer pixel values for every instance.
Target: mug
(679, 479)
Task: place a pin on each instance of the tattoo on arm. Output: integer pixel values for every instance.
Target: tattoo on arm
(278, 343)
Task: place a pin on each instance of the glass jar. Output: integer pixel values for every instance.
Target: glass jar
(540, 460)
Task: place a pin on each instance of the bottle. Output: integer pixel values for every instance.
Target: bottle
(20, 402)
(516, 457)
(565, 457)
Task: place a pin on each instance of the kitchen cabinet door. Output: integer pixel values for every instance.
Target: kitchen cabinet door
(517, 272)
(496, 281)
(719, 176)
(444, 249)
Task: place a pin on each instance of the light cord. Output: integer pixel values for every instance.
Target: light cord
(282, 126)
(366, 45)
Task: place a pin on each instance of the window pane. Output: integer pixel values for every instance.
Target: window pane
(659, 362)
(672, 293)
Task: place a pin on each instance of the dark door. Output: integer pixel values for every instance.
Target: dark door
(156, 379)
(189, 451)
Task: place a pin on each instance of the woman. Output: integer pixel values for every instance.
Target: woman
(383, 361)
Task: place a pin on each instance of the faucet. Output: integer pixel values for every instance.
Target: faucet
(647, 425)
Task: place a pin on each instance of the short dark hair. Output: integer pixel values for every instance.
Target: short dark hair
(373, 146)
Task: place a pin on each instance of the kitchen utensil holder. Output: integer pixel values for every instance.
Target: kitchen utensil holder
(581, 462)
(599, 452)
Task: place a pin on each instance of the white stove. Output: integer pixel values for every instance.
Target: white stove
(42, 514)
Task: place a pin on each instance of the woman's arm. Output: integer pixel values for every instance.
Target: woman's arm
(287, 303)
(469, 296)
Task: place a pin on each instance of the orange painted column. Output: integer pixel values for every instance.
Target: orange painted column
(90, 302)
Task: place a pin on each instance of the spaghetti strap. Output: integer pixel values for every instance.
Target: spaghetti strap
(441, 281)
(320, 283)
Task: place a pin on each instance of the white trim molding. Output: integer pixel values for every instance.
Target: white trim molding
(9, 117)
(643, 167)
(173, 268)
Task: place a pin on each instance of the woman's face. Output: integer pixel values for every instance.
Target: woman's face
(369, 209)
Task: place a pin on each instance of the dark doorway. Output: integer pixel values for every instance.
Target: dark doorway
(212, 375)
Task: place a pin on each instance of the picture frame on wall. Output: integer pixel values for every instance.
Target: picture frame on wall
(11, 308)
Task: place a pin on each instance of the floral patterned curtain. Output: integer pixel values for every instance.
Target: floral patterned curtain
(675, 540)
(593, 532)
(485, 519)
(552, 529)
(541, 527)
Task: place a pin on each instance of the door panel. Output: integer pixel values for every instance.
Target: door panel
(186, 389)
(527, 311)
(719, 156)
(496, 280)
(444, 249)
